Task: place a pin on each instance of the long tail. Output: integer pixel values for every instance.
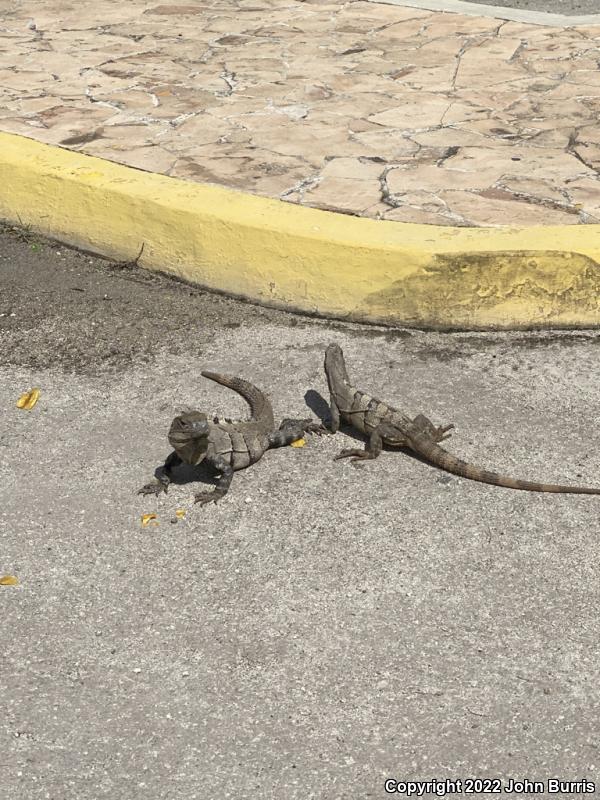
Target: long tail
(438, 456)
(337, 377)
(260, 407)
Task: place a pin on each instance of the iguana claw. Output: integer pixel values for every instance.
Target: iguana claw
(154, 488)
(207, 497)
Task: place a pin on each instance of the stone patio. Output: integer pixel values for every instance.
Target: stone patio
(374, 110)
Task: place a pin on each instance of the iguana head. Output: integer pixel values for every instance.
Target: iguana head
(188, 436)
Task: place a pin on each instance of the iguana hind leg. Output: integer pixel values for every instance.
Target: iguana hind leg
(371, 450)
(426, 426)
(382, 433)
(223, 484)
(163, 476)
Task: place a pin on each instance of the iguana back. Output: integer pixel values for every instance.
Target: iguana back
(386, 425)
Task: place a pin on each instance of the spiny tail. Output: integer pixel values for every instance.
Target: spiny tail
(260, 407)
(337, 377)
(438, 456)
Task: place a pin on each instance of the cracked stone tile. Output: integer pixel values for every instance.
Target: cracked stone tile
(413, 114)
(507, 133)
(129, 102)
(463, 112)
(518, 160)
(25, 81)
(149, 158)
(171, 101)
(583, 82)
(22, 127)
(418, 198)
(447, 24)
(453, 136)
(473, 69)
(344, 194)
(213, 170)
(376, 211)
(385, 140)
(412, 178)
(202, 129)
(417, 215)
(540, 190)
(302, 100)
(585, 194)
(589, 133)
(555, 138)
(27, 106)
(278, 185)
(352, 168)
(429, 79)
(588, 153)
(55, 124)
(476, 209)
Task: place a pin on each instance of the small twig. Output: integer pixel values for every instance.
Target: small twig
(475, 713)
(132, 262)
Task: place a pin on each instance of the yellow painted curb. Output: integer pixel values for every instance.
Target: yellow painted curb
(302, 259)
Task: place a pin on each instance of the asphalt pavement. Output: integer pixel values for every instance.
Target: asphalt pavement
(326, 626)
(569, 7)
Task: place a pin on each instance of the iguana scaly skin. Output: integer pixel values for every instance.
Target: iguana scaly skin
(224, 444)
(387, 425)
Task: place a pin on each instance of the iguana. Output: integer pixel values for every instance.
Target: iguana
(387, 425)
(224, 444)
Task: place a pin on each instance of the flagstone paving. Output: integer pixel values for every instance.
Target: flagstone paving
(375, 110)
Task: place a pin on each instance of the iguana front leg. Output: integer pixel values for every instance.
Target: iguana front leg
(223, 484)
(373, 447)
(291, 430)
(163, 476)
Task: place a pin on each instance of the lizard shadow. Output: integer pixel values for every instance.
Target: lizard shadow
(188, 473)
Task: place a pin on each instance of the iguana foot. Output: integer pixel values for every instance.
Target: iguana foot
(155, 487)
(441, 432)
(316, 427)
(302, 426)
(208, 497)
(354, 455)
(436, 433)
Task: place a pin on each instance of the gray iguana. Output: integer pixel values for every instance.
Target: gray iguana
(386, 425)
(225, 444)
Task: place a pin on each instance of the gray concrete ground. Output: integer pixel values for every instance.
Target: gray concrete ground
(325, 626)
(569, 7)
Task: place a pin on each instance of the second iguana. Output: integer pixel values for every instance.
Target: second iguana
(224, 444)
(386, 425)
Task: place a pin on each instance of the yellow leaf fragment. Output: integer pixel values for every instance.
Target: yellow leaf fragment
(180, 513)
(9, 580)
(28, 399)
(147, 519)
(298, 443)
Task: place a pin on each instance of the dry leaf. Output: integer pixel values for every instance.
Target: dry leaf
(147, 519)
(28, 399)
(180, 513)
(298, 443)
(9, 580)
